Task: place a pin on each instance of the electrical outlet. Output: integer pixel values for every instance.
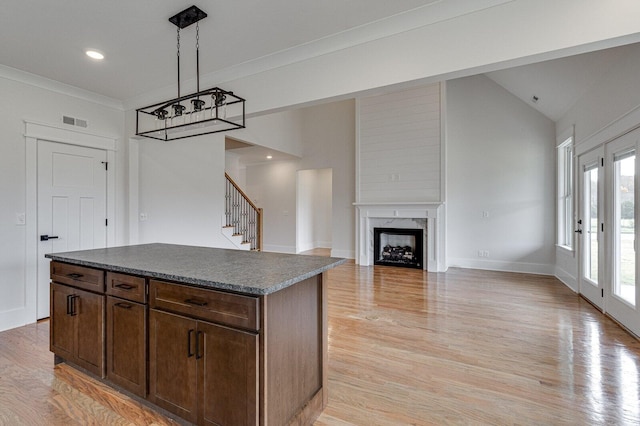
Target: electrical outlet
(485, 214)
(483, 253)
(143, 217)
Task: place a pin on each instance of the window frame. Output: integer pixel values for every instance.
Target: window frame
(565, 194)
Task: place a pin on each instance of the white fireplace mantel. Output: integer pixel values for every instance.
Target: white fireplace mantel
(434, 213)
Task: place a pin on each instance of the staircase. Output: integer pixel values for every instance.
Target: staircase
(242, 218)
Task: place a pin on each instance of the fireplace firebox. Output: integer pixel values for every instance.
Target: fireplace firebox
(398, 247)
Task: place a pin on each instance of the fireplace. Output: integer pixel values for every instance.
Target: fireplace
(398, 247)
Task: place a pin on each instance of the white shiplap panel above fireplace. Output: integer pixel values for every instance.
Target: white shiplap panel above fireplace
(399, 146)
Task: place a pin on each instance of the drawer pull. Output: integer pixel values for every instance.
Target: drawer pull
(75, 276)
(125, 286)
(196, 302)
(123, 305)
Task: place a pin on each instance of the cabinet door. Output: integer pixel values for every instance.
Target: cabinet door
(88, 311)
(127, 345)
(172, 363)
(227, 375)
(62, 335)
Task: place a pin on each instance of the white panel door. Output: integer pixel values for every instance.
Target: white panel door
(590, 226)
(621, 296)
(72, 206)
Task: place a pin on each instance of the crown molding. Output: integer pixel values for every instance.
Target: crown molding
(24, 77)
(432, 13)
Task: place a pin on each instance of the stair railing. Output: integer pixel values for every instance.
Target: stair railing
(243, 215)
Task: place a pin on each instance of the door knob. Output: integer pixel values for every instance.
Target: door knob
(47, 238)
(578, 231)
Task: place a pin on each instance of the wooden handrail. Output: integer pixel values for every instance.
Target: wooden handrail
(245, 196)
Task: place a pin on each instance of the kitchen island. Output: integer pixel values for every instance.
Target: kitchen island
(215, 336)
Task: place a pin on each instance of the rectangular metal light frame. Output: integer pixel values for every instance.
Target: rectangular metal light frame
(167, 133)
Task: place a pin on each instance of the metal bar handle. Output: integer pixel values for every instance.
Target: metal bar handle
(123, 305)
(73, 305)
(189, 353)
(125, 286)
(196, 302)
(199, 335)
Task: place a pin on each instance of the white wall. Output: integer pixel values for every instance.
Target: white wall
(313, 212)
(19, 101)
(328, 142)
(181, 191)
(500, 160)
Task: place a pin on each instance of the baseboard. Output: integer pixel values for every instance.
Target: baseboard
(505, 266)
(347, 254)
(566, 278)
(278, 249)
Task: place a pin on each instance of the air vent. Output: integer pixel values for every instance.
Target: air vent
(74, 121)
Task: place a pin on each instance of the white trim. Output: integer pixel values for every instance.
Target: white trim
(68, 135)
(58, 87)
(347, 254)
(433, 212)
(278, 249)
(134, 188)
(620, 126)
(39, 131)
(504, 266)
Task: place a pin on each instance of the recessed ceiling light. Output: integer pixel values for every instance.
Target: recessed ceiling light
(269, 157)
(93, 54)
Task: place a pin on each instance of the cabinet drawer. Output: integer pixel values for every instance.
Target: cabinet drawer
(127, 287)
(78, 276)
(211, 305)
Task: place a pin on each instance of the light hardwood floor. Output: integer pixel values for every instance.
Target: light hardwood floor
(405, 347)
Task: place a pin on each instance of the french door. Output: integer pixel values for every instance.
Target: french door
(621, 293)
(590, 226)
(607, 235)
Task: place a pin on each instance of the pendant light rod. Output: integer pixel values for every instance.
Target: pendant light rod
(178, 61)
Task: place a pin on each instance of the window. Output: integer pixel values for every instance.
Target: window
(565, 194)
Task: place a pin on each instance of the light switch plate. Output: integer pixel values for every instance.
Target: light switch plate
(21, 219)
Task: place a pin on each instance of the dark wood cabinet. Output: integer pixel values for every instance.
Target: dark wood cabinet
(228, 386)
(203, 372)
(210, 356)
(127, 344)
(77, 327)
(172, 363)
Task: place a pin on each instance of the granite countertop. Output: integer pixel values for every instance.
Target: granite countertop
(248, 272)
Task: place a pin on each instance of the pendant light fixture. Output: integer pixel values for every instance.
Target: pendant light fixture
(203, 112)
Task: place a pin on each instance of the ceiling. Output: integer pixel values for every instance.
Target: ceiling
(49, 38)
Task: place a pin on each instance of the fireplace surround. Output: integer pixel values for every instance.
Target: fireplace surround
(430, 217)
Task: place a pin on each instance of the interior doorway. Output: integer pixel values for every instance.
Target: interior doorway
(314, 214)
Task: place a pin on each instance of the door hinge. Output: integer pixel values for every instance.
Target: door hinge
(106, 165)
(602, 292)
(106, 222)
(602, 162)
(602, 227)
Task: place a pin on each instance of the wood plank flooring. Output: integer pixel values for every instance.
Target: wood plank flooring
(405, 347)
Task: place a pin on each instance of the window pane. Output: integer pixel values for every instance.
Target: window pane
(625, 254)
(591, 226)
